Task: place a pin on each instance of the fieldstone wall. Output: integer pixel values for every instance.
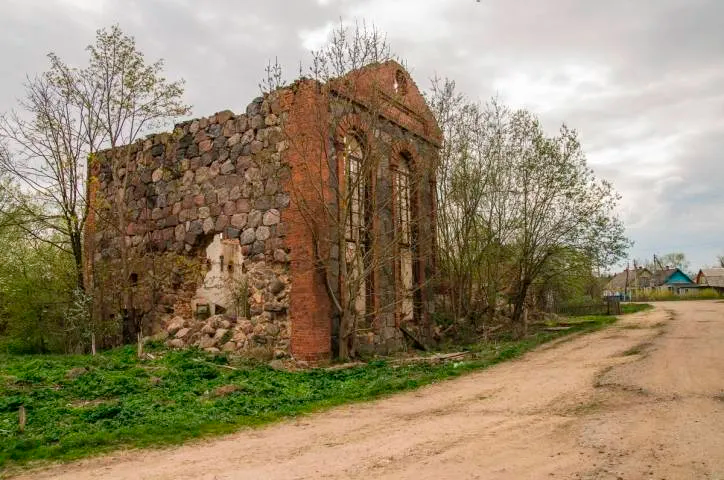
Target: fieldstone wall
(191, 233)
(160, 202)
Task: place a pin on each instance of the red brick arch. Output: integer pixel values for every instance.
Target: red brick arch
(400, 147)
(351, 123)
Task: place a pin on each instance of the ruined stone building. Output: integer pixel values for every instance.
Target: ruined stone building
(206, 231)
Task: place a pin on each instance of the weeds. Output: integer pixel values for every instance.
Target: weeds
(661, 296)
(627, 308)
(82, 405)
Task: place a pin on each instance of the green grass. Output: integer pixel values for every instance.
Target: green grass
(114, 400)
(704, 294)
(627, 308)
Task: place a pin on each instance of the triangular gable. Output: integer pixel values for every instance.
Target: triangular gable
(677, 276)
(403, 103)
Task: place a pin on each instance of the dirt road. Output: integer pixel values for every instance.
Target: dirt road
(641, 399)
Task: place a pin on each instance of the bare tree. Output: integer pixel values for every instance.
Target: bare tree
(51, 140)
(333, 185)
(674, 259)
(69, 114)
(474, 188)
(516, 208)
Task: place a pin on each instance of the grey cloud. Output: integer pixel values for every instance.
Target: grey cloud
(650, 116)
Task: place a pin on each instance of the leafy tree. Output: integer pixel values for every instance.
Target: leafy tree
(68, 114)
(49, 141)
(36, 280)
(475, 224)
(134, 97)
(675, 259)
(517, 208)
(561, 205)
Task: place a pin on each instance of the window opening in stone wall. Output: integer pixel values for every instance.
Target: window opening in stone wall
(134, 279)
(400, 84)
(401, 179)
(355, 186)
(356, 232)
(402, 190)
(202, 311)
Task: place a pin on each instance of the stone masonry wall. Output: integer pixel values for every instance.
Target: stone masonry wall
(215, 203)
(221, 175)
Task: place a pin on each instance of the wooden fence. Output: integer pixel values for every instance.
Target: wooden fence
(610, 306)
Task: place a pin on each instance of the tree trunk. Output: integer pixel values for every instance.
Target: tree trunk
(77, 248)
(519, 318)
(344, 328)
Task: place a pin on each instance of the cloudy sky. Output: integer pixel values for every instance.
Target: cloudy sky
(642, 81)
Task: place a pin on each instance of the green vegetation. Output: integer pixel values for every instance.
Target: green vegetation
(703, 294)
(627, 308)
(81, 405)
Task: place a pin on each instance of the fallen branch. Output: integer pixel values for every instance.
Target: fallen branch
(415, 342)
(344, 366)
(214, 364)
(438, 358)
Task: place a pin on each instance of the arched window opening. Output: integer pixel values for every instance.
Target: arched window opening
(355, 207)
(355, 186)
(402, 195)
(401, 179)
(400, 84)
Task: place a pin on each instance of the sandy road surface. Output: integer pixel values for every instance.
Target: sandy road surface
(641, 399)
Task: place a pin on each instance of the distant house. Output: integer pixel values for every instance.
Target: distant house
(674, 281)
(711, 278)
(629, 283)
(641, 281)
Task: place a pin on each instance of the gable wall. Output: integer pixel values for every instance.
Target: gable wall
(234, 175)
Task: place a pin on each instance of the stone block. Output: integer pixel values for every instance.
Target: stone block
(271, 217)
(239, 220)
(262, 233)
(227, 167)
(232, 232)
(247, 237)
(205, 145)
(221, 222)
(254, 218)
(271, 120)
(209, 225)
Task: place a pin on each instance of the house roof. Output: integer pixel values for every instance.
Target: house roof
(713, 277)
(662, 276)
(625, 279)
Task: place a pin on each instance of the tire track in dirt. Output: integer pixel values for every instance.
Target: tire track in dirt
(639, 399)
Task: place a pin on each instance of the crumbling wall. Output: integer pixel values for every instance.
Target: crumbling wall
(165, 210)
(156, 206)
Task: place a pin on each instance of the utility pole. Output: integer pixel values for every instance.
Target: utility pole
(658, 262)
(636, 276)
